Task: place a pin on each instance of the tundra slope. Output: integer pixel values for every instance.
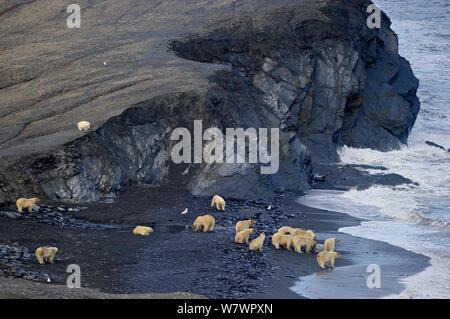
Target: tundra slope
(313, 69)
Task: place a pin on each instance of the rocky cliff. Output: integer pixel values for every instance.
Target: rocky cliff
(139, 69)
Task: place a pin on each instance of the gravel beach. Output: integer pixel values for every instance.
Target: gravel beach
(174, 258)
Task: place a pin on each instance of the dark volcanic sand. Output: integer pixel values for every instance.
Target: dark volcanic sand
(174, 258)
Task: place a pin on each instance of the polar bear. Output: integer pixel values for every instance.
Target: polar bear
(257, 243)
(286, 230)
(300, 241)
(27, 203)
(329, 244)
(279, 239)
(84, 125)
(205, 222)
(142, 230)
(326, 258)
(219, 202)
(244, 224)
(242, 236)
(46, 254)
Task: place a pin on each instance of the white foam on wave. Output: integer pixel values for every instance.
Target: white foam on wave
(414, 217)
(425, 203)
(434, 281)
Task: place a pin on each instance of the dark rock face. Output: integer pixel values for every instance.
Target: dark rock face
(55, 216)
(12, 259)
(345, 177)
(312, 69)
(135, 148)
(332, 83)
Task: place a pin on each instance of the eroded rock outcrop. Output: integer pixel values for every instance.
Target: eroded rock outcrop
(313, 69)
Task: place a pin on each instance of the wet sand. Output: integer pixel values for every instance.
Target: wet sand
(174, 258)
(349, 278)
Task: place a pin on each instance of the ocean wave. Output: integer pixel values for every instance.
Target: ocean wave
(398, 203)
(410, 216)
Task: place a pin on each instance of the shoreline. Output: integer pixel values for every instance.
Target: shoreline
(174, 258)
(413, 237)
(348, 278)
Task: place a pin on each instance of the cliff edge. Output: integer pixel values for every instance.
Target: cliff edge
(139, 69)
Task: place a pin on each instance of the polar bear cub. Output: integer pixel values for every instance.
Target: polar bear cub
(244, 224)
(279, 239)
(326, 258)
(142, 230)
(46, 254)
(243, 236)
(26, 203)
(219, 202)
(329, 244)
(257, 243)
(84, 125)
(205, 222)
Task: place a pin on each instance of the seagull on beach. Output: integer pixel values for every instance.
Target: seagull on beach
(184, 212)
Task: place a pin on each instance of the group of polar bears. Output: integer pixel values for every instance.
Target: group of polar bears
(204, 223)
(286, 236)
(300, 238)
(43, 254)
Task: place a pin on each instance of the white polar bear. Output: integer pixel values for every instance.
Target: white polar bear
(84, 125)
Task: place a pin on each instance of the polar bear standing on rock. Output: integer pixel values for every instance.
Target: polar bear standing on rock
(242, 236)
(219, 202)
(257, 243)
(26, 203)
(205, 222)
(46, 254)
(84, 125)
(142, 230)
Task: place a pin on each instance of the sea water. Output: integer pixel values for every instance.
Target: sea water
(414, 217)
